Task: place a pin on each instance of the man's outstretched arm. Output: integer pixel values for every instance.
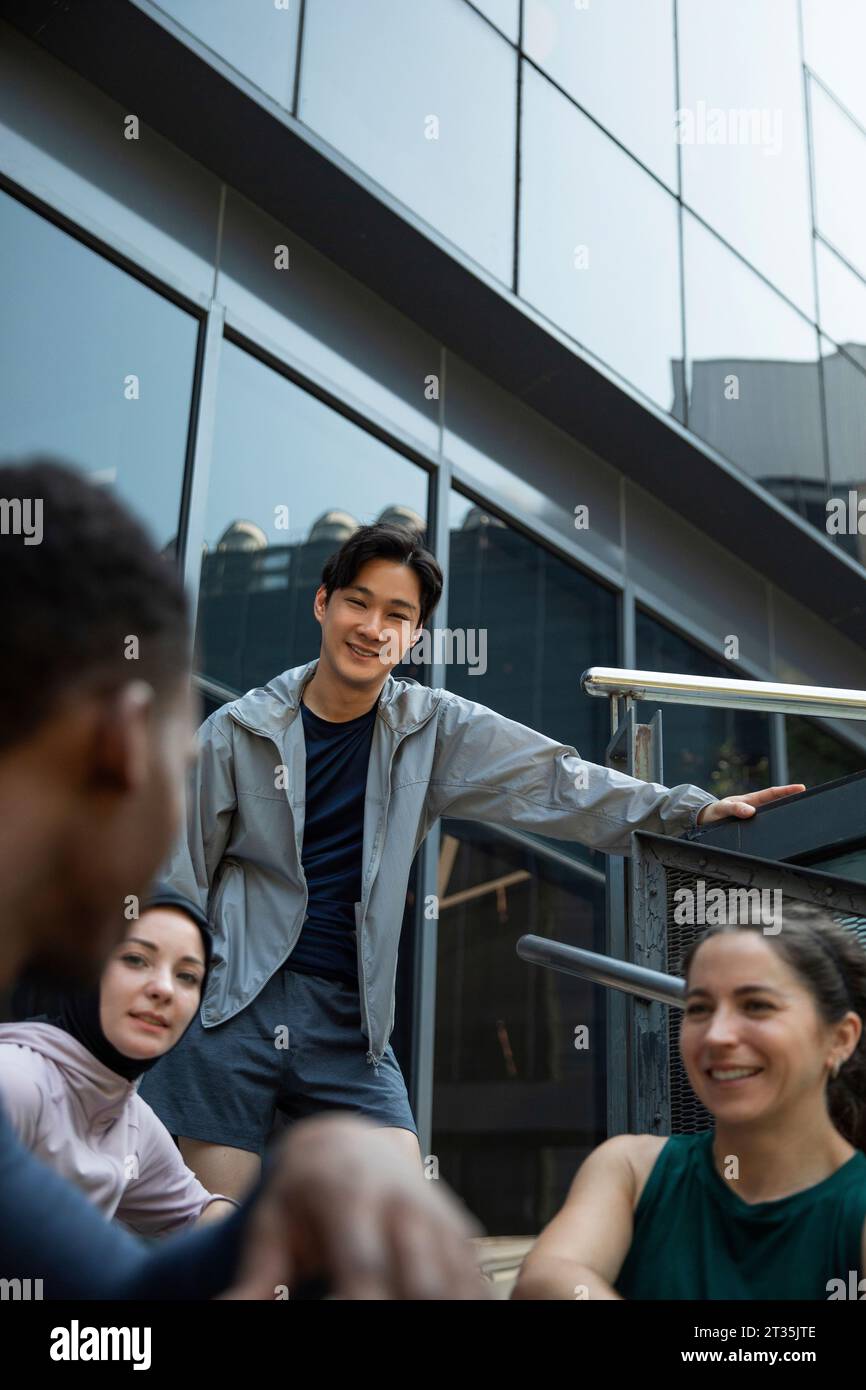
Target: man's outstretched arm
(493, 769)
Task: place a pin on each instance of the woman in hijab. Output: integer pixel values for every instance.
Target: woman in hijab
(69, 1076)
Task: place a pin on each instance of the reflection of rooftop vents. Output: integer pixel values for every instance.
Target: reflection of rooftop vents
(400, 515)
(243, 535)
(333, 526)
(476, 517)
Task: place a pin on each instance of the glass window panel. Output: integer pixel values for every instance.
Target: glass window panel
(542, 622)
(95, 368)
(617, 60)
(851, 864)
(277, 446)
(423, 98)
(724, 751)
(840, 177)
(505, 14)
(742, 132)
(256, 37)
(598, 242)
(326, 321)
(536, 470)
(842, 301)
(815, 755)
(517, 1104)
(753, 375)
(834, 38)
(845, 400)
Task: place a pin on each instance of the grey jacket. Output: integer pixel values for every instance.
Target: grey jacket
(433, 754)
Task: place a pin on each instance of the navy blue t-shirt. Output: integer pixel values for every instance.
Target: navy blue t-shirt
(337, 759)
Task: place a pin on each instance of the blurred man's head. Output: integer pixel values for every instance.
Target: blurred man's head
(96, 716)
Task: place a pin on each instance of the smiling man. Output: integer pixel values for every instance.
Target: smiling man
(307, 805)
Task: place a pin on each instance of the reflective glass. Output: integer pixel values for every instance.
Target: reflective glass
(842, 302)
(257, 37)
(845, 401)
(540, 624)
(617, 61)
(742, 131)
(528, 465)
(95, 368)
(288, 297)
(290, 481)
(834, 38)
(815, 755)
(839, 156)
(598, 242)
(519, 1092)
(753, 375)
(505, 14)
(423, 98)
(723, 751)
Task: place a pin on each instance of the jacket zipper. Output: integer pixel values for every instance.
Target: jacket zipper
(372, 1059)
(261, 734)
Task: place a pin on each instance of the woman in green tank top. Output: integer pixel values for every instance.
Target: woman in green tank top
(771, 1202)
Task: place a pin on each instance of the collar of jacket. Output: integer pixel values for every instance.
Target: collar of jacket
(404, 705)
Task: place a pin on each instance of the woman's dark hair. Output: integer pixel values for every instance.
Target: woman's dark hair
(387, 541)
(831, 962)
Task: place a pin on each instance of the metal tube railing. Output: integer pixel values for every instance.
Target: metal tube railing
(776, 697)
(603, 970)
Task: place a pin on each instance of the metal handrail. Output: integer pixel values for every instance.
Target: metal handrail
(666, 687)
(603, 970)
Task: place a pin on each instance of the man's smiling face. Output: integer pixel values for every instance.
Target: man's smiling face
(368, 627)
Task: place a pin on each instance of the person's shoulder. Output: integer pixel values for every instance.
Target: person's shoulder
(636, 1152)
(28, 1081)
(19, 1062)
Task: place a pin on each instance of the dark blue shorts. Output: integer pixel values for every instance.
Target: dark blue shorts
(297, 1048)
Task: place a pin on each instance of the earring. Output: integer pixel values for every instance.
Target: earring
(837, 1068)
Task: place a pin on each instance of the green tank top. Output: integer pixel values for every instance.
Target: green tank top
(694, 1237)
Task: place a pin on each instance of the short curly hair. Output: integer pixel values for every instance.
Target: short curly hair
(75, 593)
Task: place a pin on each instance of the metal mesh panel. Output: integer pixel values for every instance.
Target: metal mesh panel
(688, 1115)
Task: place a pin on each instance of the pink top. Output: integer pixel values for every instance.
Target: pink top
(91, 1126)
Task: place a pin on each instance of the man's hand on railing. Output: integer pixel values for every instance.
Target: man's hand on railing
(745, 805)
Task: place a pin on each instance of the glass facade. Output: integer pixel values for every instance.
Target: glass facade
(840, 177)
(258, 38)
(724, 751)
(540, 624)
(753, 375)
(95, 367)
(815, 755)
(598, 242)
(583, 153)
(290, 479)
(742, 133)
(423, 98)
(617, 62)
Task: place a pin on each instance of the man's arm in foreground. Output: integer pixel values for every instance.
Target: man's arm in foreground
(335, 1200)
(49, 1231)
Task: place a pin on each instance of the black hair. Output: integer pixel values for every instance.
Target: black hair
(89, 580)
(831, 962)
(391, 542)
